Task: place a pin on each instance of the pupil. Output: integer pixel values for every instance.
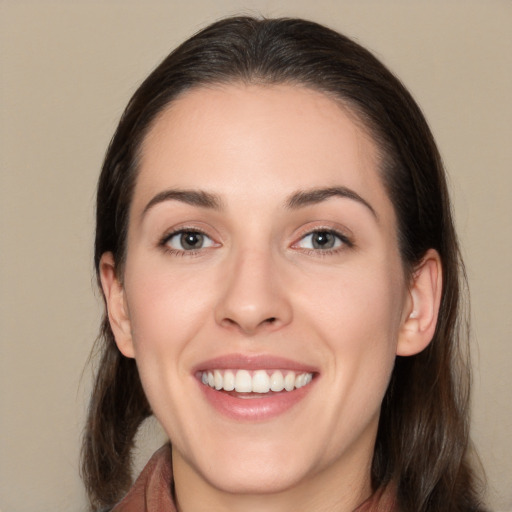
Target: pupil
(191, 240)
(323, 240)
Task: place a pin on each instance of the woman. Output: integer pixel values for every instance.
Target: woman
(281, 278)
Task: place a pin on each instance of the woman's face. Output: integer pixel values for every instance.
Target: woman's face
(262, 253)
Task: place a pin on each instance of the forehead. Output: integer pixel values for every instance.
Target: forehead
(249, 139)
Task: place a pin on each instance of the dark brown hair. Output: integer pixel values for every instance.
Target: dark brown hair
(422, 442)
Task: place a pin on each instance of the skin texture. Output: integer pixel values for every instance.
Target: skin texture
(258, 286)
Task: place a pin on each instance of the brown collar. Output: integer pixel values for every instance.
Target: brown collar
(153, 490)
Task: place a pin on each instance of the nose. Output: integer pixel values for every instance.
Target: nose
(254, 297)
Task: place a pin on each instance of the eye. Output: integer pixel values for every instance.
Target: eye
(188, 241)
(323, 240)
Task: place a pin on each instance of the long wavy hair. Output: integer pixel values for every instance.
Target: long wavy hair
(422, 442)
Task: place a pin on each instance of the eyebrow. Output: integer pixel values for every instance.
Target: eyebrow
(192, 197)
(317, 195)
(297, 200)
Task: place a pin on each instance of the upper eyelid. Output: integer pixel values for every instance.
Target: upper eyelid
(174, 232)
(314, 227)
(164, 242)
(344, 233)
(185, 229)
(341, 236)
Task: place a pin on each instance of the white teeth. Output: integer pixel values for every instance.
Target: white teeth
(303, 379)
(243, 381)
(217, 379)
(229, 381)
(277, 381)
(260, 381)
(299, 381)
(289, 381)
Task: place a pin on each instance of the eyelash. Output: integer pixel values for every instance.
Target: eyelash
(345, 242)
(164, 242)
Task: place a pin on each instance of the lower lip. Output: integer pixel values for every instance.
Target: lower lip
(263, 407)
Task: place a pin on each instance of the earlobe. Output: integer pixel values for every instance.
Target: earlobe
(422, 308)
(116, 305)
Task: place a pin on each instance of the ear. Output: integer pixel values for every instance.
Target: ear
(116, 305)
(422, 306)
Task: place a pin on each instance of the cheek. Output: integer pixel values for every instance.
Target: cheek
(357, 315)
(360, 307)
(166, 309)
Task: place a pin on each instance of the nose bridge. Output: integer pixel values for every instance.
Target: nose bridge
(253, 296)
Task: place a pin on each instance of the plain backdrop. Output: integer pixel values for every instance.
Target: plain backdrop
(67, 70)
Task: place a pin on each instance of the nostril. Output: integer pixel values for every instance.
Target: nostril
(249, 327)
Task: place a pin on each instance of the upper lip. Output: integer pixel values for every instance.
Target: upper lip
(253, 362)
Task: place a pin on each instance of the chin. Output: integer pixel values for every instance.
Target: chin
(261, 465)
(256, 477)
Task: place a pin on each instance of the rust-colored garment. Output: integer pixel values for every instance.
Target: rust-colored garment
(152, 491)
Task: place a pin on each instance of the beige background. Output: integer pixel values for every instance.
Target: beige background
(67, 70)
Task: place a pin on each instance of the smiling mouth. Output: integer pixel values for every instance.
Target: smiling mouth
(258, 382)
